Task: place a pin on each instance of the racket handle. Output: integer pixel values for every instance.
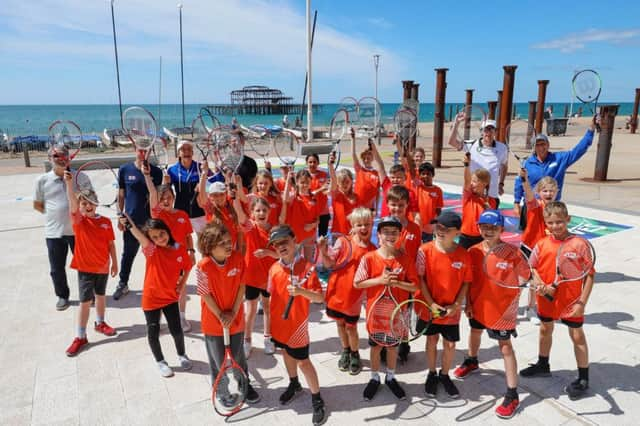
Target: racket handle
(548, 297)
(285, 314)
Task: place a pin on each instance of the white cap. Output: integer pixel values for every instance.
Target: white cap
(184, 142)
(491, 123)
(217, 188)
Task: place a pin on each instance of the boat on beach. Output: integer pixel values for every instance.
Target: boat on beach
(115, 137)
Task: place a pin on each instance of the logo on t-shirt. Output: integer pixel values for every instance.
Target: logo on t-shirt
(433, 194)
(503, 265)
(181, 220)
(553, 165)
(457, 265)
(179, 259)
(233, 272)
(104, 226)
(410, 237)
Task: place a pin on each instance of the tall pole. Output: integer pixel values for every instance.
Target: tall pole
(184, 120)
(160, 93)
(438, 119)
(507, 100)
(607, 120)
(542, 94)
(306, 76)
(376, 62)
(309, 101)
(531, 120)
(634, 113)
(115, 48)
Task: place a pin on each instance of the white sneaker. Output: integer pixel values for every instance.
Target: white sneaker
(269, 347)
(247, 348)
(185, 362)
(532, 315)
(165, 370)
(186, 325)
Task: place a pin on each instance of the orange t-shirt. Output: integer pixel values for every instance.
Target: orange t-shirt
(294, 331)
(318, 179)
(177, 221)
(275, 206)
(367, 184)
(226, 218)
(493, 306)
(445, 273)
(430, 199)
(256, 270)
(222, 282)
(409, 241)
(543, 260)
(302, 210)
(536, 229)
(341, 295)
(93, 239)
(342, 207)
(164, 265)
(412, 205)
(472, 207)
(280, 183)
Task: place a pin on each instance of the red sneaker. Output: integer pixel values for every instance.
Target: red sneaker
(465, 368)
(508, 408)
(104, 328)
(77, 345)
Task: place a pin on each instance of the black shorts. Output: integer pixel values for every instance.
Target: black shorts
(450, 332)
(494, 334)
(339, 316)
(426, 237)
(296, 353)
(467, 241)
(90, 284)
(252, 293)
(568, 323)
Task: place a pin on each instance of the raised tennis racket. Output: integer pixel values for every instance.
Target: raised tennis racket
(412, 104)
(587, 86)
(102, 179)
(229, 149)
(507, 266)
(160, 153)
(231, 385)
(379, 320)
(575, 259)
(287, 147)
(201, 136)
(470, 120)
(369, 114)
(521, 138)
(260, 141)
(350, 105)
(338, 131)
(65, 140)
(141, 128)
(308, 250)
(337, 249)
(406, 125)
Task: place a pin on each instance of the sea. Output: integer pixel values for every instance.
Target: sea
(22, 120)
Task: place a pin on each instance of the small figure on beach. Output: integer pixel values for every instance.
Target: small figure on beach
(285, 121)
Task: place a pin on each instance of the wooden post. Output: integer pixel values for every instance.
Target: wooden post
(607, 122)
(507, 100)
(438, 116)
(634, 114)
(492, 109)
(499, 106)
(531, 120)
(414, 95)
(542, 94)
(407, 85)
(25, 154)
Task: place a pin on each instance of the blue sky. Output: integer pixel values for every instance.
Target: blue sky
(60, 51)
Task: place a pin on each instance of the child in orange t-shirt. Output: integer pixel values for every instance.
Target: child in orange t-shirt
(344, 301)
(493, 308)
(343, 198)
(319, 187)
(569, 301)
(475, 199)
(444, 268)
(264, 187)
(430, 200)
(397, 176)
(94, 249)
(294, 276)
(367, 184)
(217, 208)
(300, 208)
(221, 290)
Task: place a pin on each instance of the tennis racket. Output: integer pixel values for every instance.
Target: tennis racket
(337, 132)
(520, 137)
(369, 113)
(338, 248)
(406, 124)
(469, 128)
(231, 385)
(65, 140)
(379, 320)
(141, 128)
(506, 266)
(308, 250)
(260, 141)
(287, 147)
(411, 104)
(411, 319)
(102, 179)
(350, 105)
(574, 260)
(160, 153)
(587, 86)
(201, 136)
(229, 149)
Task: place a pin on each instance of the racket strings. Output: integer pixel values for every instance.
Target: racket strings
(230, 389)
(379, 323)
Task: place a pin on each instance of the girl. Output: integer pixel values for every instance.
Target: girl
(319, 185)
(367, 177)
(167, 268)
(343, 199)
(264, 187)
(300, 208)
(475, 199)
(221, 290)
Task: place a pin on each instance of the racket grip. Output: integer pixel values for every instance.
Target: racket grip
(548, 297)
(285, 314)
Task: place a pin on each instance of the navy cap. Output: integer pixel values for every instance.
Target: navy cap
(280, 233)
(449, 219)
(491, 217)
(389, 221)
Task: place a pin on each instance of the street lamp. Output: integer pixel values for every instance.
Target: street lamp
(376, 62)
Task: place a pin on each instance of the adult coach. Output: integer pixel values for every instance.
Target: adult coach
(184, 178)
(133, 199)
(486, 153)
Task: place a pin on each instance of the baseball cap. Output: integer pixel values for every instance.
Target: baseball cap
(280, 233)
(542, 137)
(491, 123)
(217, 188)
(184, 142)
(491, 217)
(389, 221)
(448, 219)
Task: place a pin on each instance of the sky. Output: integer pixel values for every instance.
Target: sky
(61, 51)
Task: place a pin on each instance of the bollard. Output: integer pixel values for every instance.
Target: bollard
(607, 122)
(531, 120)
(438, 116)
(542, 94)
(493, 105)
(634, 114)
(451, 112)
(499, 106)
(506, 103)
(407, 85)
(25, 154)
(467, 106)
(414, 96)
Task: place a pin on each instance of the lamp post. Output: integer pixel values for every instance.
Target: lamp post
(376, 62)
(181, 66)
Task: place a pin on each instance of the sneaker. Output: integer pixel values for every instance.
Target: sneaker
(269, 347)
(165, 370)
(186, 325)
(536, 370)
(577, 389)
(395, 388)
(431, 384)
(448, 385)
(508, 408)
(77, 345)
(467, 366)
(371, 389)
(104, 328)
(290, 393)
(319, 413)
(345, 360)
(355, 366)
(121, 290)
(252, 395)
(246, 347)
(532, 316)
(62, 304)
(185, 362)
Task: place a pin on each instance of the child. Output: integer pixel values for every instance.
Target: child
(397, 176)
(430, 200)
(257, 261)
(475, 199)
(167, 268)
(94, 248)
(161, 203)
(377, 269)
(221, 290)
(343, 300)
(343, 198)
(292, 334)
(319, 186)
(264, 187)
(444, 269)
(367, 178)
(216, 206)
(493, 308)
(569, 301)
(300, 208)
(546, 189)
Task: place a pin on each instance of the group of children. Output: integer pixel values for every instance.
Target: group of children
(254, 244)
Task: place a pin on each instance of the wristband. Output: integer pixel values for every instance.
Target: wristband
(466, 164)
(501, 184)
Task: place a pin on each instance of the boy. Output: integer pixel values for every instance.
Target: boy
(493, 308)
(430, 200)
(569, 301)
(385, 267)
(444, 271)
(397, 176)
(367, 184)
(292, 334)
